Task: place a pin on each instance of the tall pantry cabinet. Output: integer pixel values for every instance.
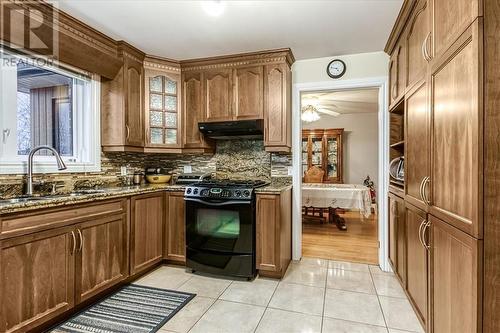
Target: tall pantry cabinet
(450, 105)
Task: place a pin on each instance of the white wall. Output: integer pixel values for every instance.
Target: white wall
(359, 66)
(360, 143)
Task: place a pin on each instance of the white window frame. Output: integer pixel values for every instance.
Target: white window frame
(86, 137)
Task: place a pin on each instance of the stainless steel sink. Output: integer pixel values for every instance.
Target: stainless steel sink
(21, 199)
(48, 197)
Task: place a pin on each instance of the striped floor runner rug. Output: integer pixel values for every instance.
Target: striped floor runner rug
(133, 308)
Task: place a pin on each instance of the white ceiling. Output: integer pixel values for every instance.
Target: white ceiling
(343, 101)
(183, 30)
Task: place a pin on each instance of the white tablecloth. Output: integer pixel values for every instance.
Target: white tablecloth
(347, 196)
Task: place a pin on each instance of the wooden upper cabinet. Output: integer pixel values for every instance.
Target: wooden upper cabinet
(456, 168)
(249, 93)
(37, 278)
(417, 145)
(417, 43)
(417, 261)
(122, 112)
(449, 20)
(218, 95)
(162, 89)
(277, 108)
(146, 228)
(174, 244)
(192, 109)
(397, 70)
(456, 270)
(101, 255)
(134, 121)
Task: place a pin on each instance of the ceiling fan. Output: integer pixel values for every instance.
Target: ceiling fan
(311, 107)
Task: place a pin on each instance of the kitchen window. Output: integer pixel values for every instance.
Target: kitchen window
(43, 103)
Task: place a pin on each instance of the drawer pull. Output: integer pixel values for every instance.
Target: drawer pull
(420, 228)
(80, 237)
(424, 233)
(74, 243)
(426, 181)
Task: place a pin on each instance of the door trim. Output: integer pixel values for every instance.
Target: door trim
(381, 83)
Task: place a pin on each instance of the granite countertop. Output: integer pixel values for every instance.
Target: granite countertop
(67, 199)
(59, 200)
(273, 188)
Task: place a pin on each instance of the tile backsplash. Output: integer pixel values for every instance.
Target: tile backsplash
(235, 159)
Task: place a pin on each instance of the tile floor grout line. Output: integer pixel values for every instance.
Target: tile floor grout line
(215, 301)
(267, 306)
(379, 303)
(196, 322)
(324, 300)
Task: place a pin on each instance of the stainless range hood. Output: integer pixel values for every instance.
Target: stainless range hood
(242, 129)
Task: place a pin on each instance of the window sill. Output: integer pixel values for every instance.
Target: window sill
(16, 168)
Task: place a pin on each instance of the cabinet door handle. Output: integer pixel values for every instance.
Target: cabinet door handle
(424, 238)
(74, 243)
(422, 224)
(427, 180)
(80, 237)
(425, 51)
(128, 132)
(421, 189)
(424, 54)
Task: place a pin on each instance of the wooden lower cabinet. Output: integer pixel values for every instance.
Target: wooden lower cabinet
(146, 228)
(274, 233)
(417, 262)
(37, 278)
(397, 237)
(174, 245)
(101, 255)
(456, 278)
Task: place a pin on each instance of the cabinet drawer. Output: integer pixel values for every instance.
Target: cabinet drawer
(36, 220)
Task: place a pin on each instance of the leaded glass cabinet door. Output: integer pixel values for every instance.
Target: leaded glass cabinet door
(333, 155)
(305, 154)
(162, 92)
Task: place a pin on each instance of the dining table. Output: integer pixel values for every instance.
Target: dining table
(335, 197)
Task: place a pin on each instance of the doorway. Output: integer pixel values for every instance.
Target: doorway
(339, 172)
(333, 232)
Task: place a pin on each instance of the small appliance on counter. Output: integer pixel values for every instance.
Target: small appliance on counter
(190, 178)
(157, 175)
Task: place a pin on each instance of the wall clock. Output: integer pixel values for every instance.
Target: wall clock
(336, 68)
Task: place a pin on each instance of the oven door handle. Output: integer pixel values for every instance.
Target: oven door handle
(223, 203)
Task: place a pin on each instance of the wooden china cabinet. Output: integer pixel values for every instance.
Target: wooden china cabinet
(323, 148)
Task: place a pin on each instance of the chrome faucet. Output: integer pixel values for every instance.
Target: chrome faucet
(60, 165)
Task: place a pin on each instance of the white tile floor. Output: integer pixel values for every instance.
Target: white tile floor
(315, 295)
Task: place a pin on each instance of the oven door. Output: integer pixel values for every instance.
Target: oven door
(226, 227)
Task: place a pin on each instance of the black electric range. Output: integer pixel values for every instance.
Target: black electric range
(220, 227)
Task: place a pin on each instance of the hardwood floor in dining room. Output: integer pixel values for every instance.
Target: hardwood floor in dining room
(358, 244)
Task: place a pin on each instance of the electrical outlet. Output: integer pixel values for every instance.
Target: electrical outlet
(290, 171)
(188, 169)
(123, 170)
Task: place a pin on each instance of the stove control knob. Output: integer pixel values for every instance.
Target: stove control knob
(237, 193)
(188, 191)
(246, 193)
(195, 191)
